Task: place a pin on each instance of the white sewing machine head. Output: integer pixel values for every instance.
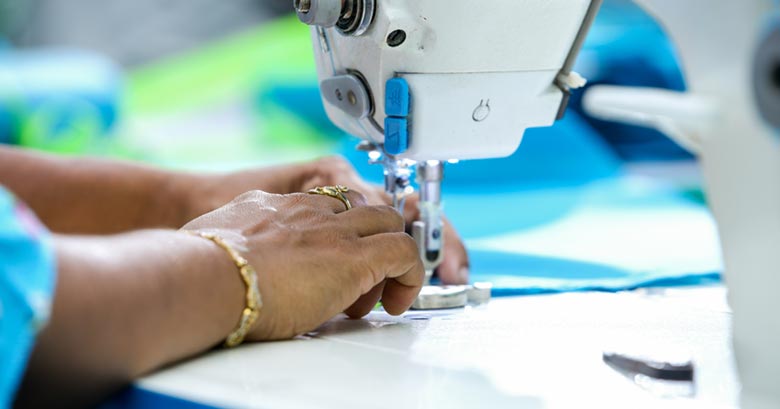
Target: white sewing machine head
(437, 80)
(444, 79)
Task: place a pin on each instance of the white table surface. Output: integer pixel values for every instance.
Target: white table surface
(522, 352)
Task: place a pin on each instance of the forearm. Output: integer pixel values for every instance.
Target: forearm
(126, 305)
(91, 196)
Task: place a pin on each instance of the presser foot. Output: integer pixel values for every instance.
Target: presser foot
(440, 297)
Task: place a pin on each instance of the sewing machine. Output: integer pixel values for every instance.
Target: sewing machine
(405, 77)
(423, 83)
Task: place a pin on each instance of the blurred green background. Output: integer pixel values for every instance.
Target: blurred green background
(175, 83)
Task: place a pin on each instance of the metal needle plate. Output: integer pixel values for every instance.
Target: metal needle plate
(434, 297)
(479, 293)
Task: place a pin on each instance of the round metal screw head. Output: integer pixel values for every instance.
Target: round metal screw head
(323, 13)
(302, 6)
(396, 38)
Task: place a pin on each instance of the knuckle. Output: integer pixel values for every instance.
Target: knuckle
(302, 201)
(249, 196)
(400, 245)
(407, 245)
(406, 253)
(397, 219)
(390, 219)
(393, 219)
(409, 251)
(358, 199)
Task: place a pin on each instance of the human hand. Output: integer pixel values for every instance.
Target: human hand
(208, 192)
(315, 260)
(454, 268)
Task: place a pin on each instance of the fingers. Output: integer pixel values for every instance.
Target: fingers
(371, 220)
(454, 269)
(366, 303)
(324, 202)
(333, 204)
(397, 297)
(356, 198)
(394, 256)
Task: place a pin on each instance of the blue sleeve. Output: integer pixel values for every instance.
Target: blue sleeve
(27, 278)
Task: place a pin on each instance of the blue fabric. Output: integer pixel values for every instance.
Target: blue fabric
(135, 397)
(27, 276)
(609, 235)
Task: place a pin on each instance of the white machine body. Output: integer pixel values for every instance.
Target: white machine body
(479, 72)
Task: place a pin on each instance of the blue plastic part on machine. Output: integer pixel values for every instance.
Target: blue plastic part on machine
(396, 135)
(397, 98)
(397, 109)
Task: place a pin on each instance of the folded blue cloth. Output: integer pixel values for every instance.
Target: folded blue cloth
(611, 235)
(513, 275)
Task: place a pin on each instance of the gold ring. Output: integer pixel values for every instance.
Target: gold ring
(333, 191)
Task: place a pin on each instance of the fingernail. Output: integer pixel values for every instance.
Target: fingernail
(463, 274)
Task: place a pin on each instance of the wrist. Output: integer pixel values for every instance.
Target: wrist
(227, 284)
(184, 198)
(253, 300)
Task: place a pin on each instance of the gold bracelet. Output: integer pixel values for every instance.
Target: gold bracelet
(253, 299)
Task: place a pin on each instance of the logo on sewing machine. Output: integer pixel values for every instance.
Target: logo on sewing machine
(482, 111)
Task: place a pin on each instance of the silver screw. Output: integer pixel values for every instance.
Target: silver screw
(302, 6)
(396, 38)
